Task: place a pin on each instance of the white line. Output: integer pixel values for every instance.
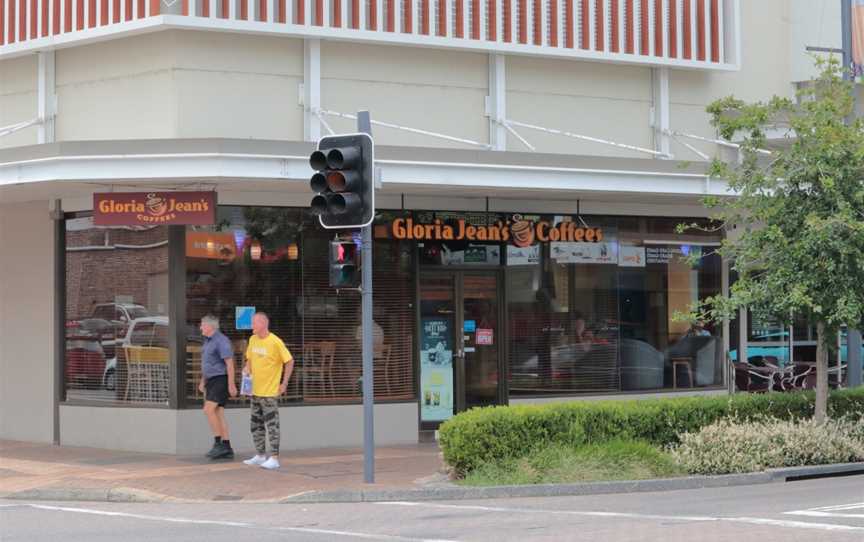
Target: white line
(817, 514)
(749, 520)
(840, 507)
(352, 534)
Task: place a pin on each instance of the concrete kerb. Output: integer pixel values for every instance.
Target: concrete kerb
(453, 492)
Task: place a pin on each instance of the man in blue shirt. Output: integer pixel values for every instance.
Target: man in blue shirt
(217, 383)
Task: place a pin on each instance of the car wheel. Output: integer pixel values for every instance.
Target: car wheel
(111, 380)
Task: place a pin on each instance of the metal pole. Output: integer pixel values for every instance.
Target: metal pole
(853, 339)
(364, 125)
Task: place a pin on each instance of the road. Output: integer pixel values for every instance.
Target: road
(823, 510)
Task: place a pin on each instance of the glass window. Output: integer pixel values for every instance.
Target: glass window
(275, 260)
(115, 277)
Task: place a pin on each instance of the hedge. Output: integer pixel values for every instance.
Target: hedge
(493, 434)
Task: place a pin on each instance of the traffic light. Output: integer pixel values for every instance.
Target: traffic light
(344, 264)
(343, 181)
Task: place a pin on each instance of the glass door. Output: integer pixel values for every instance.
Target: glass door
(438, 347)
(480, 339)
(460, 334)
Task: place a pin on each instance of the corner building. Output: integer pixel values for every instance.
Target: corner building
(536, 160)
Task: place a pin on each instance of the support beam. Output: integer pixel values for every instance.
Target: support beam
(311, 89)
(496, 105)
(660, 111)
(47, 97)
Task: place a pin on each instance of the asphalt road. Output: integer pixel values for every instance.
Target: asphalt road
(815, 510)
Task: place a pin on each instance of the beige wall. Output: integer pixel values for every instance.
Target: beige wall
(18, 99)
(599, 100)
(438, 91)
(186, 431)
(232, 85)
(122, 89)
(26, 322)
(219, 84)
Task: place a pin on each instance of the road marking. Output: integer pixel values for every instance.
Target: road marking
(836, 511)
(627, 515)
(307, 530)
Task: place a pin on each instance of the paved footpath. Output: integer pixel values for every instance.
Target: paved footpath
(27, 466)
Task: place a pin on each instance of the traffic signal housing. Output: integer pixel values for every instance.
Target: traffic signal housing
(343, 182)
(344, 264)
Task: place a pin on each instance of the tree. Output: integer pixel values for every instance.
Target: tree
(797, 222)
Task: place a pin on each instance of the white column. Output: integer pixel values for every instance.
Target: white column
(47, 99)
(497, 102)
(660, 107)
(311, 89)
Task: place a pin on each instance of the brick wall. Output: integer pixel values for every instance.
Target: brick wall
(97, 275)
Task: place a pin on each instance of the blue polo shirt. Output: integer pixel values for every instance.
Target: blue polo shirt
(215, 351)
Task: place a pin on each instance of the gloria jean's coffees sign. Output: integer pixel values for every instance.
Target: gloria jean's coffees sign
(520, 232)
(154, 208)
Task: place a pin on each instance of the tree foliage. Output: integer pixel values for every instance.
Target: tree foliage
(796, 226)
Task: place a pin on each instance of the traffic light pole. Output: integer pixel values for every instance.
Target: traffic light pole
(364, 125)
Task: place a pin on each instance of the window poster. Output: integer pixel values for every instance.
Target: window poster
(436, 369)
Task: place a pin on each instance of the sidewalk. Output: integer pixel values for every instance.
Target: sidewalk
(27, 466)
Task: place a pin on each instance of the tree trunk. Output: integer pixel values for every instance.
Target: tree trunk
(821, 413)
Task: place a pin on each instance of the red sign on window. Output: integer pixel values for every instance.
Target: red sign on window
(154, 208)
(484, 337)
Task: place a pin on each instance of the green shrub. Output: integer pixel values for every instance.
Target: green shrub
(561, 463)
(496, 434)
(730, 446)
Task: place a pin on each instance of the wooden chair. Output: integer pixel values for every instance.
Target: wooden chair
(318, 359)
(682, 362)
(382, 358)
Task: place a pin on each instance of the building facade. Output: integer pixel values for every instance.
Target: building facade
(536, 159)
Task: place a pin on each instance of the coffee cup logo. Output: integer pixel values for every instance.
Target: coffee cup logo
(156, 204)
(523, 231)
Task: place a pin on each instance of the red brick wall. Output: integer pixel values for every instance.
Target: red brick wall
(95, 275)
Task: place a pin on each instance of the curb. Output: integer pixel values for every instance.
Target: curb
(117, 494)
(454, 492)
(564, 490)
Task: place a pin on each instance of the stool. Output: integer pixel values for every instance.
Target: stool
(685, 362)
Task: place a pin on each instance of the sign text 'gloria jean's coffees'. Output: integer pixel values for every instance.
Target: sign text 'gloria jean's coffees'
(521, 233)
(154, 208)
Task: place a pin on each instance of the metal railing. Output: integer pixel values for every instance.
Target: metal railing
(687, 33)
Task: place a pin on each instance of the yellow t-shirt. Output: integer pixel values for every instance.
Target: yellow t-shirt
(266, 359)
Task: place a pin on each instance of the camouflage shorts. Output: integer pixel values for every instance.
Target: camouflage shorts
(265, 424)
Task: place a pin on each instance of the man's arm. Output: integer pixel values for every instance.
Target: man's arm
(229, 368)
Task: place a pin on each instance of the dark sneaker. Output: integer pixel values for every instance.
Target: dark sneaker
(223, 453)
(214, 450)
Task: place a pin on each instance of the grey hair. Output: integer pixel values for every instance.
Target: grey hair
(211, 321)
(263, 315)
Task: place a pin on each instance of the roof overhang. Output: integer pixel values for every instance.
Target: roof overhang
(72, 169)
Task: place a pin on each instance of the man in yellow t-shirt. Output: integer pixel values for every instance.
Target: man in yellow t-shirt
(270, 364)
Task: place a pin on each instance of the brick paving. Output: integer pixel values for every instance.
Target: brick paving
(30, 466)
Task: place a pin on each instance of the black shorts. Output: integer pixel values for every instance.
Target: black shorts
(216, 389)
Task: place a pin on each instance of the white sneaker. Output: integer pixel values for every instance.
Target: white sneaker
(271, 463)
(257, 460)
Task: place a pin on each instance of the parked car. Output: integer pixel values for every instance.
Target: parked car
(147, 331)
(85, 359)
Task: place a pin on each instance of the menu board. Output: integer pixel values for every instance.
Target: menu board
(436, 369)
(595, 253)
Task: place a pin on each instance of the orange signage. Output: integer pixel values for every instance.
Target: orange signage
(520, 232)
(154, 208)
(215, 246)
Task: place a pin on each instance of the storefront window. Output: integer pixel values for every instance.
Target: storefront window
(275, 260)
(116, 313)
(601, 317)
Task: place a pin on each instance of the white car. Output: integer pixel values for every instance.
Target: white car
(146, 331)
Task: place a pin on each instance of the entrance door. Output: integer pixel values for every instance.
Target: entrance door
(460, 338)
